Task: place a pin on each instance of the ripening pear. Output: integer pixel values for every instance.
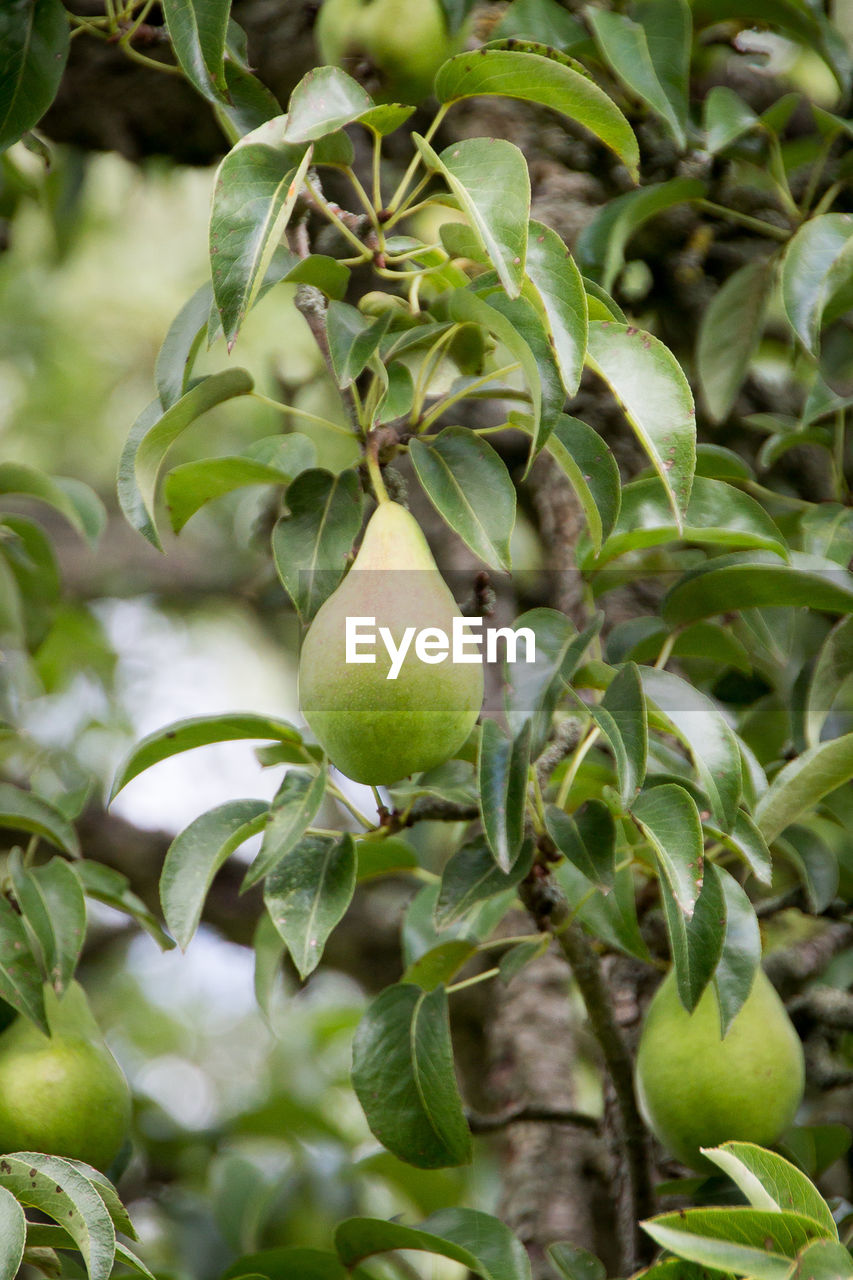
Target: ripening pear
(375, 729)
(697, 1088)
(62, 1094)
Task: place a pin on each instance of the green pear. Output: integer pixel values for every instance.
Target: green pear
(62, 1094)
(392, 47)
(698, 1089)
(374, 728)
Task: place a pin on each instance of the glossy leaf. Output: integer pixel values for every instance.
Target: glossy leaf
(746, 840)
(592, 472)
(489, 178)
(404, 1078)
(151, 437)
(307, 894)
(470, 876)
(536, 73)
(559, 288)
(442, 962)
(502, 766)
(255, 193)
(817, 262)
(467, 1236)
(353, 340)
(13, 1235)
(196, 854)
(468, 484)
(34, 42)
(725, 117)
(624, 46)
(717, 514)
(200, 731)
(530, 325)
(197, 30)
(669, 820)
(832, 670)
(754, 1242)
(24, 811)
(654, 395)
(621, 716)
(296, 803)
(729, 334)
(191, 485)
(57, 1189)
(52, 902)
(326, 99)
(588, 839)
(695, 942)
(757, 580)
(768, 1181)
(311, 544)
(534, 689)
(600, 248)
(741, 953)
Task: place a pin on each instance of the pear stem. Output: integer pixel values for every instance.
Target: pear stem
(375, 470)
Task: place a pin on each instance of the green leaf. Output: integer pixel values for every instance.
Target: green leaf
(535, 73)
(197, 29)
(741, 952)
(34, 42)
(591, 470)
(725, 117)
(541, 20)
(798, 787)
(621, 716)
(729, 334)
(248, 104)
(52, 902)
(443, 962)
(817, 263)
(299, 797)
(600, 248)
(574, 1263)
(768, 1181)
(196, 854)
(326, 99)
(352, 340)
(758, 580)
(701, 726)
(13, 1235)
(109, 886)
(696, 943)
(587, 839)
(529, 325)
(24, 811)
(311, 544)
(624, 46)
(559, 288)
(57, 1189)
(388, 856)
(668, 25)
(534, 689)
(476, 1240)
(754, 1242)
(468, 484)
(20, 976)
(654, 395)
(611, 917)
(152, 435)
(17, 477)
(669, 820)
(181, 345)
(823, 1260)
(471, 876)
(199, 731)
(746, 840)
(502, 766)
(255, 193)
(188, 487)
(832, 670)
(290, 1264)
(404, 1078)
(489, 178)
(717, 514)
(307, 893)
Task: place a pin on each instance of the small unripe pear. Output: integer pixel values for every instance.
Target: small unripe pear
(374, 729)
(698, 1089)
(62, 1094)
(392, 47)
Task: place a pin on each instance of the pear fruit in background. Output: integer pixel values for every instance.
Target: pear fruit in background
(698, 1089)
(377, 730)
(62, 1094)
(392, 47)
